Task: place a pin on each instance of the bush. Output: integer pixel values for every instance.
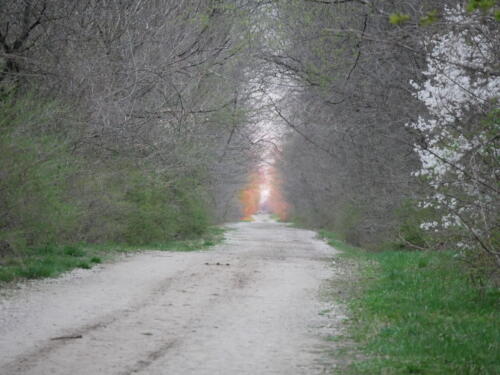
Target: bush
(35, 166)
(159, 211)
(49, 200)
(347, 223)
(409, 233)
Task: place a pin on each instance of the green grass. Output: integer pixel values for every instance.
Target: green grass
(418, 313)
(51, 261)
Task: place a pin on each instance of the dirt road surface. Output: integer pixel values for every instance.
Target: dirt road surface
(252, 305)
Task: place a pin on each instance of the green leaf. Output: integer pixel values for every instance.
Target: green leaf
(430, 18)
(484, 5)
(398, 18)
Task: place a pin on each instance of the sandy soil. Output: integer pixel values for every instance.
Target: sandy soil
(252, 305)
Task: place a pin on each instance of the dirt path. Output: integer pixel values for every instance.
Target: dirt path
(250, 306)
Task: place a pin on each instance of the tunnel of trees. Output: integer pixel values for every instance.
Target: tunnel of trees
(134, 121)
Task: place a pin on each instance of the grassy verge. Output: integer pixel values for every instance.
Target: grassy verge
(417, 313)
(53, 260)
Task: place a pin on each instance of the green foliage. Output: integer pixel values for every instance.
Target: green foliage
(84, 265)
(409, 234)
(335, 241)
(37, 270)
(74, 251)
(35, 166)
(49, 201)
(45, 261)
(398, 18)
(160, 212)
(428, 318)
(491, 124)
(418, 313)
(52, 260)
(347, 223)
(430, 18)
(483, 5)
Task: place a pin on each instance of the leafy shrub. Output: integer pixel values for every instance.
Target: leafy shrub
(409, 233)
(160, 212)
(347, 223)
(74, 251)
(50, 200)
(35, 165)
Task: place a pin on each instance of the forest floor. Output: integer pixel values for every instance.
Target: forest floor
(259, 303)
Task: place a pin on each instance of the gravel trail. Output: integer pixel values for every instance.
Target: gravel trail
(252, 305)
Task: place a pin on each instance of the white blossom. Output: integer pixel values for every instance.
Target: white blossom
(455, 84)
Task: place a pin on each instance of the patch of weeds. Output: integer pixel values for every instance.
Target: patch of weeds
(52, 260)
(212, 237)
(84, 265)
(334, 240)
(74, 251)
(36, 270)
(43, 250)
(417, 313)
(46, 261)
(7, 274)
